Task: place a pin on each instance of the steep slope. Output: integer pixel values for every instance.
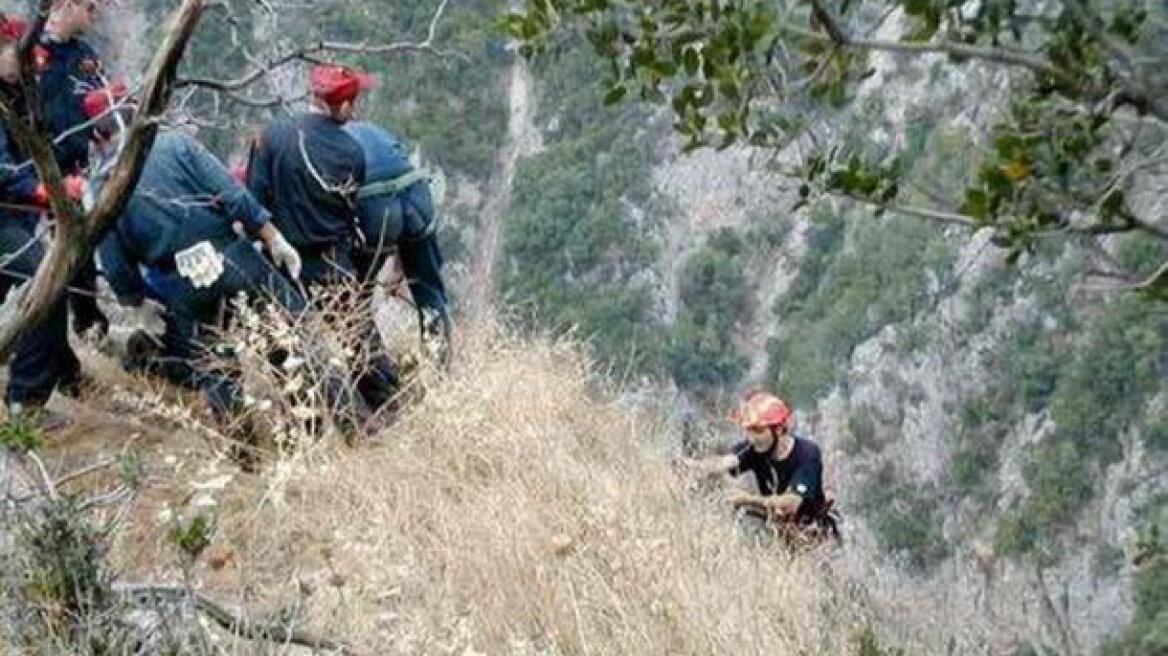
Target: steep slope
(518, 508)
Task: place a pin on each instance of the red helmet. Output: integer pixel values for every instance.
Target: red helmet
(337, 84)
(100, 100)
(761, 410)
(12, 28)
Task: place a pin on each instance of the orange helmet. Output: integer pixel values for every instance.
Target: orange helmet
(761, 410)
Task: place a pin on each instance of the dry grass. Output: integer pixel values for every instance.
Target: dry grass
(517, 508)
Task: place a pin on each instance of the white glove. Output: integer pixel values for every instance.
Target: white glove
(284, 255)
(146, 317)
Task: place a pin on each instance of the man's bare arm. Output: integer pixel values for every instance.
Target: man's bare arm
(711, 466)
(782, 505)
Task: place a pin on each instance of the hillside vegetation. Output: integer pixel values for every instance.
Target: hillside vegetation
(518, 508)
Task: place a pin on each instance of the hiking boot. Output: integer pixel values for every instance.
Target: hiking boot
(436, 335)
(76, 385)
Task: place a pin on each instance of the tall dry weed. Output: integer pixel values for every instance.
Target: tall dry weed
(516, 508)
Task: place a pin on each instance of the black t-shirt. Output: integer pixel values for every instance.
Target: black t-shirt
(800, 472)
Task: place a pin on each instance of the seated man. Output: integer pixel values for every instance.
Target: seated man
(178, 227)
(396, 212)
(787, 469)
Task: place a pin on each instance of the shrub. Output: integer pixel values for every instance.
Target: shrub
(715, 298)
(1059, 476)
(1148, 631)
(975, 451)
(861, 431)
(907, 519)
(842, 297)
(572, 251)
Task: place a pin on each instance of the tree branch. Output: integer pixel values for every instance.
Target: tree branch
(237, 624)
(1156, 285)
(1128, 71)
(262, 69)
(75, 239)
(835, 34)
(948, 218)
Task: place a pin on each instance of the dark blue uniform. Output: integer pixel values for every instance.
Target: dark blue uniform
(185, 196)
(42, 359)
(307, 171)
(67, 71)
(404, 218)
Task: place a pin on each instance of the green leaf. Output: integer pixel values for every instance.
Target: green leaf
(1113, 203)
(643, 56)
(691, 60)
(889, 193)
(664, 68)
(915, 7)
(976, 204)
(728, 86)
(615, 94)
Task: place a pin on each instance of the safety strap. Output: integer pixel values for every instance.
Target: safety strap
(392, 186)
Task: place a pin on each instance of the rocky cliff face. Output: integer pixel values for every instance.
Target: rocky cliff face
(893, 421)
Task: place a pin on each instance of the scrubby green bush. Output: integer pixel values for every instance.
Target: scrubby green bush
(1148, 631)
(1059, 476)
(867, 643)
(1030, 360)
(714, 299)
(842, 297)
(574, 253)
(906, 518)
(862, 431)
(975, 449)
(1120, 365)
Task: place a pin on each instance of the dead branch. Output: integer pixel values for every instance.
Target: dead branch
(85, 471)
(262, 69)
(835, 34)
(237, 623)
(1155, 285)
(76, 235)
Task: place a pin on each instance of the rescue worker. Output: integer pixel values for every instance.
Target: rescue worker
(307, 170)
(178, 227)
(396, 213)
(68, 68)
(788, 470)
(42, 359)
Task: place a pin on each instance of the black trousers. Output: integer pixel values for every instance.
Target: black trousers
(377, 381)
(191, 312)
(42, 359)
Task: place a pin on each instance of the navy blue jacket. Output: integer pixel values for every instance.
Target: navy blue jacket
(280, 176)
(68, 70)
(384, 219)
(185, 196)
(18, 180)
